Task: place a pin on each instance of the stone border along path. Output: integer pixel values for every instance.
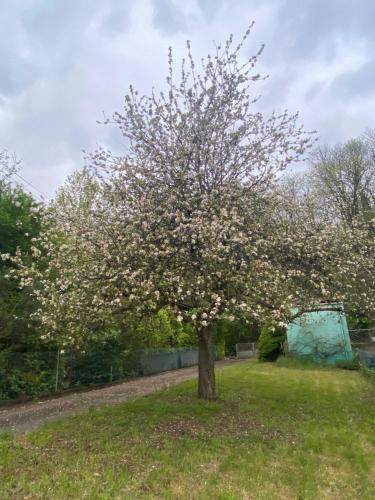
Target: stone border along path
(26, 417)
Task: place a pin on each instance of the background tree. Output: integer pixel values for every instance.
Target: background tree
(9, 164)
(19, 224)
(344, 177)
(339, 187)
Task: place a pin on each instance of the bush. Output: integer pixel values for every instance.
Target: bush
(345, 364)
(34, 374)
(271, 340)
(368, 373)
(26, 374)
(358, 321)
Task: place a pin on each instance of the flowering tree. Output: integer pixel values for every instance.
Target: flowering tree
(338, 192)
(190, 218)
(199, 164)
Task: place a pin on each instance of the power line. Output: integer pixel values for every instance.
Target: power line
(40, 194)
(23, 186)
(29, 183)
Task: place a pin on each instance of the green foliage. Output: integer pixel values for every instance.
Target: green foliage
(229, 333)
(21, 373)
(155, 331)
(271, 342)
(368, 373)
(33, 374)
(18, 225)
(353, 364)
(357, 320)
(168, 332)
(26, 373)
(347, 365)
(96, 367)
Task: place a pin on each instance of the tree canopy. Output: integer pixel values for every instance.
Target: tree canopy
(191, 218)
(19, 225)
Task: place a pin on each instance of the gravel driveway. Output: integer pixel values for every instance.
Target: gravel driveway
(26, 417)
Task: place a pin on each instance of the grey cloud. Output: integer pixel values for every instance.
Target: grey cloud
(56, 23)
(167, 17)
(62, 62)
(314, 91)
(210, 8)
(313, 26)
(117, 20)
(16, 73)
(358, 83)
(55, 32)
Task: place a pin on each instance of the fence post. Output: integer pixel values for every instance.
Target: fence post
(57, 370)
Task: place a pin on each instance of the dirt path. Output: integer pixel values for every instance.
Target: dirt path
(24, 418)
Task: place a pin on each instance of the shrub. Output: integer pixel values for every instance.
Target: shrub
(368, 373)
(271, 342)
(352, 364)
(26, 374)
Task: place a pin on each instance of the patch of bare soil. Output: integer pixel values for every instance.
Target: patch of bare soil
(236, 425)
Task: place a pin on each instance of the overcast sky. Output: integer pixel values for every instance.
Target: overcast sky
(63, 62)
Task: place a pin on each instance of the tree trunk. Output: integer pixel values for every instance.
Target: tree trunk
(206, 365)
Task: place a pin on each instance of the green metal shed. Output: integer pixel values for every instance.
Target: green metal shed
(321, 334)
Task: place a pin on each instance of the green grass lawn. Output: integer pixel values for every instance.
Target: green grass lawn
(276, 432)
